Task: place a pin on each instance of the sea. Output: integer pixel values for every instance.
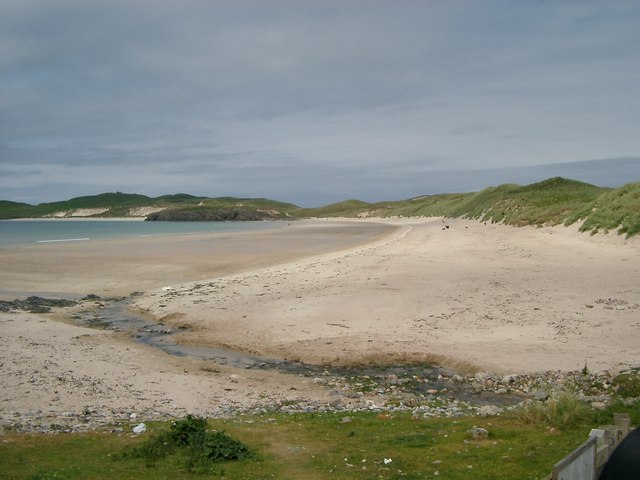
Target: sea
(52, 231)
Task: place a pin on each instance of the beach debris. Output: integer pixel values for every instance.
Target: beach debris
(140, 428)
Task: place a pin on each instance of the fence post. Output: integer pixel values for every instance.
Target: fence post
(579, 464)
(623, 422)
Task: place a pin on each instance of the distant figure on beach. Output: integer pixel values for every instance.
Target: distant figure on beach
(624, 463)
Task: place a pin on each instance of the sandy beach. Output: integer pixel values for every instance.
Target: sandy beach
(468, 295)
(500, 298)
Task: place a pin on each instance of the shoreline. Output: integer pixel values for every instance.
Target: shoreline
(75, 219)
(118, 267)
(510, 300)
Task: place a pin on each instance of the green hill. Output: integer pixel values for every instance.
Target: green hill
(120, 205)
(550, 202)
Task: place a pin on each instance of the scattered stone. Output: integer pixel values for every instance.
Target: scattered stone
(541, 395)
(478, 433)
(481, 377)
(234, 378)
(140, 428)
(488, 411)
(410, 402)
(346, 420)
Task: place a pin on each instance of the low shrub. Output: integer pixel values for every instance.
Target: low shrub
(189, 438)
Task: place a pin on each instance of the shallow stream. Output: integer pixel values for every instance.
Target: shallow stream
(413, 379)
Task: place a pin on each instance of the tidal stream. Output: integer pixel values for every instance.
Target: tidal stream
(413, 379)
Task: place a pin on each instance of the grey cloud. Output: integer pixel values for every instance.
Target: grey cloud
(247, 93)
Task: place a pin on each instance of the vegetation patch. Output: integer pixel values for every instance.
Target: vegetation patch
(559, 411)
(311, 446)
(628, 384)
(190, 440)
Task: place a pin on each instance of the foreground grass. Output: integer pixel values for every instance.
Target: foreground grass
(320, 446)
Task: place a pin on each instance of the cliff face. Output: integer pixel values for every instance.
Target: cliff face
(212, 215)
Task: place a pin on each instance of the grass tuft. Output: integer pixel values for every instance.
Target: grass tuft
(559, 411)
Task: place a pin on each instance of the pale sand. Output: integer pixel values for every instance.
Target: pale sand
(500, 298)
(495, 297)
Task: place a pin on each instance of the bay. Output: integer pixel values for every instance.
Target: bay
(48, 231)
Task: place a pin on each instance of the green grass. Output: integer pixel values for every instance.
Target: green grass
(618, 210)
(628, 384)
(319, 446)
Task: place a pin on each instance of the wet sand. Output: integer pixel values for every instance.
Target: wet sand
(120, 267)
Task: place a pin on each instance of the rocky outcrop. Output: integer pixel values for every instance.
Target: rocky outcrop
(212, 215)
(35, 304)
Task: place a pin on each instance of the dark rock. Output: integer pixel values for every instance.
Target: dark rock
(212, 215)
(35, 304)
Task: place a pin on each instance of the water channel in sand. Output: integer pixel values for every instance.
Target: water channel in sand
(116, 316)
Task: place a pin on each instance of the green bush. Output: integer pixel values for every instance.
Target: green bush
(189, 438)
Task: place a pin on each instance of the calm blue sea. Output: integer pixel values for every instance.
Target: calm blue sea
(43, 232)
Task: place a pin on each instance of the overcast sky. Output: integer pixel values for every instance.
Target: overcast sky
(314, 101)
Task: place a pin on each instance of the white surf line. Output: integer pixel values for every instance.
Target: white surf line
(64, 240)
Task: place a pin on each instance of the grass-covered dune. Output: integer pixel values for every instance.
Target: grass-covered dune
(550, 202)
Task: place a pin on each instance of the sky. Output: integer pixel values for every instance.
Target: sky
(315, 101)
